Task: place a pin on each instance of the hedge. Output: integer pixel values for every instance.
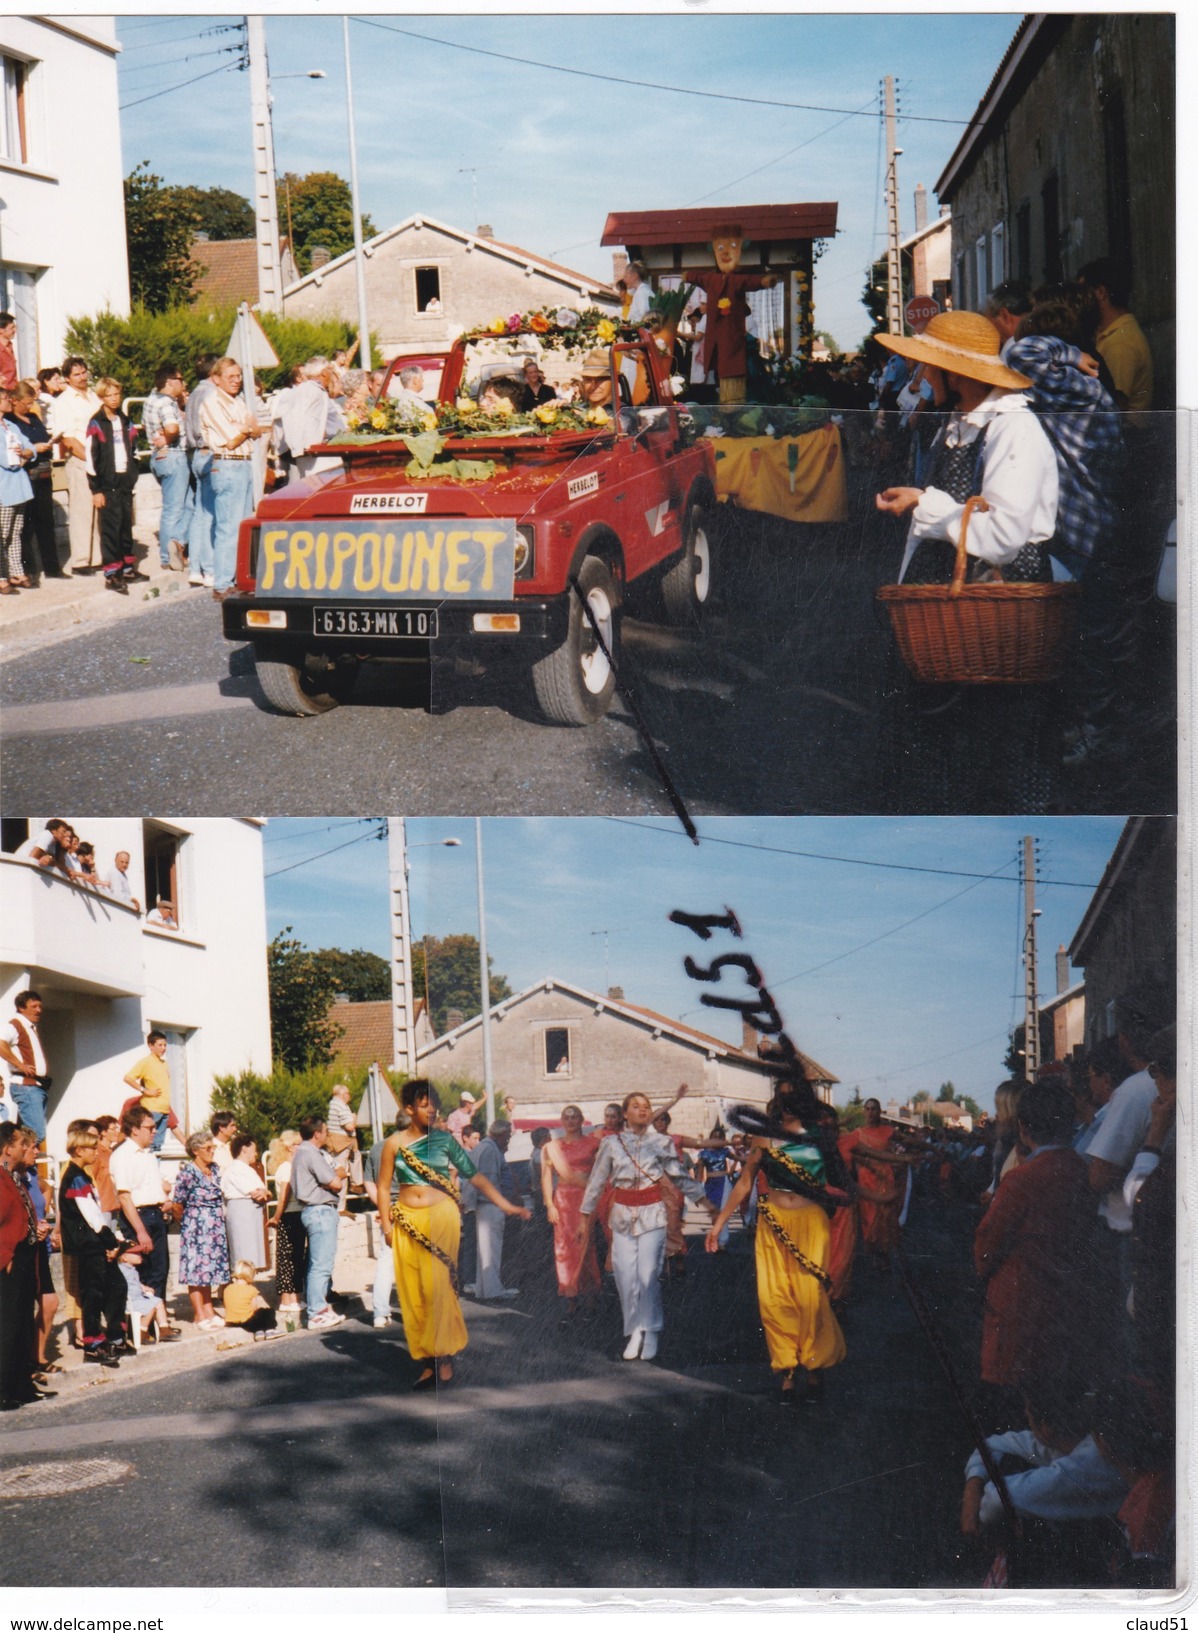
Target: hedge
(133, 349)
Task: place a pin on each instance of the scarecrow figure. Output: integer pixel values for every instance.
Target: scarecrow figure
(727, 311)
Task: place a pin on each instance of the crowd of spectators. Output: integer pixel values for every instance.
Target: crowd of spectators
(1076, 1252)
(59, 848)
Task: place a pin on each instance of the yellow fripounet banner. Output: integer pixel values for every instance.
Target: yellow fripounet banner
(798, 478)
(453, 560)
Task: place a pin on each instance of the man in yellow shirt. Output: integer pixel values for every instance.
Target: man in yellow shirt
(151, 1077)
(1120, 340)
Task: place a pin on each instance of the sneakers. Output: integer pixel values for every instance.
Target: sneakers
(100, 1356)
(197, 579)
(213, 1324)
(633, 1347)
(326, 1319)
(114, 581)
(382, 1320)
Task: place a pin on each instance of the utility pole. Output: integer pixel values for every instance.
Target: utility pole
(266, 209)
(403, 1008)
(484, 977)
(356, 210)
(1031, 1007)
(894, 270)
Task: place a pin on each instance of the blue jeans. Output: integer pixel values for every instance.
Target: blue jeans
(160, 1127)
(170, 468)
(31, 1103)
(321, 1225)
(199, 535)
(232, 487)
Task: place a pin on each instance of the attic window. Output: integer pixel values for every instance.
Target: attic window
(428, 288)
(557, 1051)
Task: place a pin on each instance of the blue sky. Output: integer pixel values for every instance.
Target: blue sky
(929, 1001)
(554, 154)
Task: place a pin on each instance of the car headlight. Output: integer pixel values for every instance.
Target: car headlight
(525, 550)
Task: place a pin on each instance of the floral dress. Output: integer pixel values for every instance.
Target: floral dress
(203, 1246)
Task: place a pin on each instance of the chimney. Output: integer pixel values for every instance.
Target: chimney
(619, 265)
(201, 238)
(453, 1019)
(1062, 969)
(320, 256)
(748, 1039)
(616, 993)
(921, 207)
(484, 230)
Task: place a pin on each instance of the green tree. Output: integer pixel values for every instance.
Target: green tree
(221, 213)
(159, 228)
(447, 969)
(1014, 1060)
(317, 209)
(265, 1106)
(132, 348)
(301, 991)
(363, 977)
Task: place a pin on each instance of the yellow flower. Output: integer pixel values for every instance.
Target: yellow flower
(724, 304)
(502, 407)
(605, 331)
(547, 413)
(429, 422)
(498, 326)
(465, 405)
(597, 416)
(379, 420)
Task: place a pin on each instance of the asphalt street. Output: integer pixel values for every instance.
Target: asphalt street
(549, 1462)
(785, 702)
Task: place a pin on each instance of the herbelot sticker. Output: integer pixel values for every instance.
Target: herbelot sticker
(388, 504)
(578, 485)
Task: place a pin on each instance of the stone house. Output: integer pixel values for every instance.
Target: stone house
(1071, 155)
(556, 1044)
(1127, 941)
(426, 282)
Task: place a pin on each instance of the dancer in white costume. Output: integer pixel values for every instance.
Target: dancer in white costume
(633, 1161)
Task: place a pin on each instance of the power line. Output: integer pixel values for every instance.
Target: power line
(853, 861)
(320, 855)
(193, 56)
(181, 39)
(223, 69)
(642, 84)
(827, 131)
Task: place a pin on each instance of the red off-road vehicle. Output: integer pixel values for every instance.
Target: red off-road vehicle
(465, 535)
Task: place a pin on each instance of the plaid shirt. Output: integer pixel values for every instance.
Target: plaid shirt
(159, 411)
(1085, 429)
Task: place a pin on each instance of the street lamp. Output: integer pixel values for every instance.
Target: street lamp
(356, 209)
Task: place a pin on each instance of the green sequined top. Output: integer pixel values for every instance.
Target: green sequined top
(439, 1151)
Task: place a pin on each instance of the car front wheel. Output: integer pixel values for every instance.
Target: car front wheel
(574, 686)
(309, 684)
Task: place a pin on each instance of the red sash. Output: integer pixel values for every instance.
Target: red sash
(636, 1199)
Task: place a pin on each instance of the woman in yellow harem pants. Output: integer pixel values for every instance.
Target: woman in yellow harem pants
(801, 1331)
(424, 1228)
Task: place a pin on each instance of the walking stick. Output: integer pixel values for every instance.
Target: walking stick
(936, 1343)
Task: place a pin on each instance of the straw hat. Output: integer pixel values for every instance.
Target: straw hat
(962, 342)
(596, 364)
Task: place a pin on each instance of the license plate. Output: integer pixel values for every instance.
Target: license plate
(376, 623)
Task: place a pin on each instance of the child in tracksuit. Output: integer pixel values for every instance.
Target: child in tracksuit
(111, 442)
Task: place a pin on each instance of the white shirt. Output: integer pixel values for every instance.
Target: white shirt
(640, 304)
(12, 1038)
(135, 1169)
(1074, 1485)
(1019, 482)
(71, 411)
(238, 1180)
(117, 884)
(1124, 1130)
(45, 841)
(304, 417)
(406, 399)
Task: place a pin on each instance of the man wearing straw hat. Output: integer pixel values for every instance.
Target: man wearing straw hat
(992, 445)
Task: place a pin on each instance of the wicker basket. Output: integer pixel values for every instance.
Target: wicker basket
(995, 634)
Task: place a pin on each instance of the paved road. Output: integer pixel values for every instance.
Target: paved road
(549, 1463)
(780, 707)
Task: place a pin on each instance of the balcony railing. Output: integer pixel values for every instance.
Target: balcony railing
(68, 935)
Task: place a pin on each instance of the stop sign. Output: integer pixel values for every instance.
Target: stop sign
(919, 312)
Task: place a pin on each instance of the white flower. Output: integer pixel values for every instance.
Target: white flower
(565, 318)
